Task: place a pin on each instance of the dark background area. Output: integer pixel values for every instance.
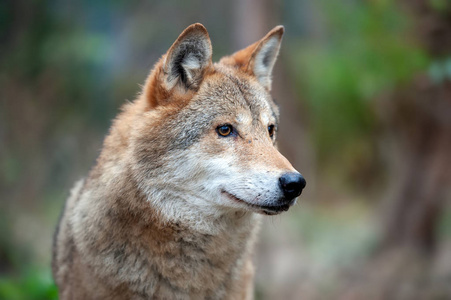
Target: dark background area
(365, 95)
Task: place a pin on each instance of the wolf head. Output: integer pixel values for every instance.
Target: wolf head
(205, 134)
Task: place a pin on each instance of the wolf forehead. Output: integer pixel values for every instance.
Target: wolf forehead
(228, 91)
(224, 96)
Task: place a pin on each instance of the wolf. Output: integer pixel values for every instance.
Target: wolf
(172, 207)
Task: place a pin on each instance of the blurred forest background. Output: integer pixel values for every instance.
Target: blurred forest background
(365, 95)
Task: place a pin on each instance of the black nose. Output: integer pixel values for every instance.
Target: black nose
(292, 185)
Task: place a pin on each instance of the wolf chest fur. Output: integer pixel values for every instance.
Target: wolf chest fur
(172, 207)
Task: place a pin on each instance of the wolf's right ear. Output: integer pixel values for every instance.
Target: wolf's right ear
(182, 68)
(187, 59)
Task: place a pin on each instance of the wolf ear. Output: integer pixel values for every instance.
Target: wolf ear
(188, 58)
(259, 58)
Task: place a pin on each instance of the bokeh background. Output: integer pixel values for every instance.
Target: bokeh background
(365, 95)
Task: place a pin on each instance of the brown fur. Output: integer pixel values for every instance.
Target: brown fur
(117, 241)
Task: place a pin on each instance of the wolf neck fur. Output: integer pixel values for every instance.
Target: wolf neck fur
(196, 254)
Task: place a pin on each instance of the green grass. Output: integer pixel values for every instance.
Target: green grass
(33, 284)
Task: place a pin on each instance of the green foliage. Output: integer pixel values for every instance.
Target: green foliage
(34, 285)
(364, 49)
(440, 5)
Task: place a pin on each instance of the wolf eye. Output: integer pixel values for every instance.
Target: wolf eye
(224, 130)
(271, 130)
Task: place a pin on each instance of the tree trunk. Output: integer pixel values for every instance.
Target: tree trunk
(421, 121)
(421, 125)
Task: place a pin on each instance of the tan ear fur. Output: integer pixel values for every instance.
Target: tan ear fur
(259, 58)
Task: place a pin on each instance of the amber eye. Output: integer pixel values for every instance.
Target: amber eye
(224, 130)
(271, 130)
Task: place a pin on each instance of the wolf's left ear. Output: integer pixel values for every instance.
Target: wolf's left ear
(188, 58)
(259, 58)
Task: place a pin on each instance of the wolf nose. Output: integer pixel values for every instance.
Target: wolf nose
(292, 185)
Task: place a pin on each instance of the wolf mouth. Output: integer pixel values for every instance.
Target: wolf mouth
(266, 209)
